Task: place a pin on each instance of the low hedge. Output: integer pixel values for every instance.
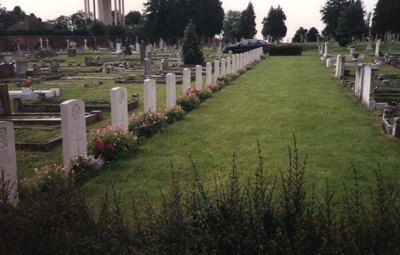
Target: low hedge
(285, 50)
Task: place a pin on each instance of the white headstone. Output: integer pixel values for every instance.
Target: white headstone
(234, 64)
(137, 46)
(216, 70)
(119, 107)
(223, 67)
(118, 47)
(329, 63)
(377, 48)
(85, 44)
(339, 66)
(228, 65)
(238, 62)
(161, 44)
(41, 43)
(67, 43)
(186, 79)
(358, 83)
(208, 73)
(179, 61)
(199, 77)
(171, 89)
(8, 160)
(366, 89)
(73, 128)
(326, 50)
(150, 93)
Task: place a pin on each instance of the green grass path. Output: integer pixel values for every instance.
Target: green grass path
(280, 96)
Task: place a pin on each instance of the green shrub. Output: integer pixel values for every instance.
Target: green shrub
(146, 124)
(110, 142)
(285, 50)
(174, 113)
(204, 94)
(188, 102)
(192, 54)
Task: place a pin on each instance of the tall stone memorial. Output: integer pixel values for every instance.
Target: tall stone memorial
(150, 93)
(119, 107)
(73, 128)
(171, 89)
(8, 160)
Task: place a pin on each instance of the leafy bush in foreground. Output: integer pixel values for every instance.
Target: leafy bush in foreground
(267, 215)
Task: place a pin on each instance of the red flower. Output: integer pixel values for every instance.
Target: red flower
(110, 148)
(100, 146)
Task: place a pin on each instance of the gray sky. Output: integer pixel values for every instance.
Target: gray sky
(299, 13)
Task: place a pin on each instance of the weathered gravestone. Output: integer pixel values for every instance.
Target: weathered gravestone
(142, 51)
(73, 128)
(41, 43)
(118, 47)
(119, 107)
(5, 109)
(54, 65)
(179, 61)
(199, 77)
(22, 67)
(71, 52)
(366, 87)
(171, 89)
(150, 93)
(186, 79)
(6, 70)
(377, 48)
(147, 67)
(208, 73)
(161, 44)
(8, 160)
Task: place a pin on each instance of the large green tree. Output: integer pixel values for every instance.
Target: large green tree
(192, 53)
(386, 17)
(312, 35)
(331, 12)
(231, 25)
(247, 23)
(133, 18)
(351, 23)
(168, 18)
(300, 35)
(274, 28)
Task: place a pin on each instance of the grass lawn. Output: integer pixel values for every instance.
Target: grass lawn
(280, 96)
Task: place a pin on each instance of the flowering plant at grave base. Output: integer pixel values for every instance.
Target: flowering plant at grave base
(110, 142)
(47, 178)
(192, 91)
(146, 124)
(84, 167)
(216, 86)
(188, 103)
(174, 113)
(204, 94)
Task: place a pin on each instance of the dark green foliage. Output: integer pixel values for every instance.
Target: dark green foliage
(274, 28)
(133, 18)
(300, 35)
(312, 35)
(247, 23)
(167, 19)
(231, 25)
(175, 113)
(192, 54)
(386, 17)
(285, 50)
(351, 24)
(264, 215)
(188, 103)
(204, 94)
(98, 28)
(118, 30)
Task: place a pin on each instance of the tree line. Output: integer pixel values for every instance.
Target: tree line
(345, 20)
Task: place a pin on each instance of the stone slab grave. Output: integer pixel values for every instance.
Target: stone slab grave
(54, 65)
(73, 128)
(34, 95)
(119, 107)
(8, 160)
(5, 109)
(22, 67)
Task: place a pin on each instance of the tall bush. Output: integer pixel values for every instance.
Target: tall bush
(192, 53)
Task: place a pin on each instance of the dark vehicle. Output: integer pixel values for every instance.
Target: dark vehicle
(246, 45)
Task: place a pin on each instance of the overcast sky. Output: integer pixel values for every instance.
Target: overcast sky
(299, 13)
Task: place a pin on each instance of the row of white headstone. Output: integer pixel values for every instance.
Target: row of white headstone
(73, 128)
(223, 67)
